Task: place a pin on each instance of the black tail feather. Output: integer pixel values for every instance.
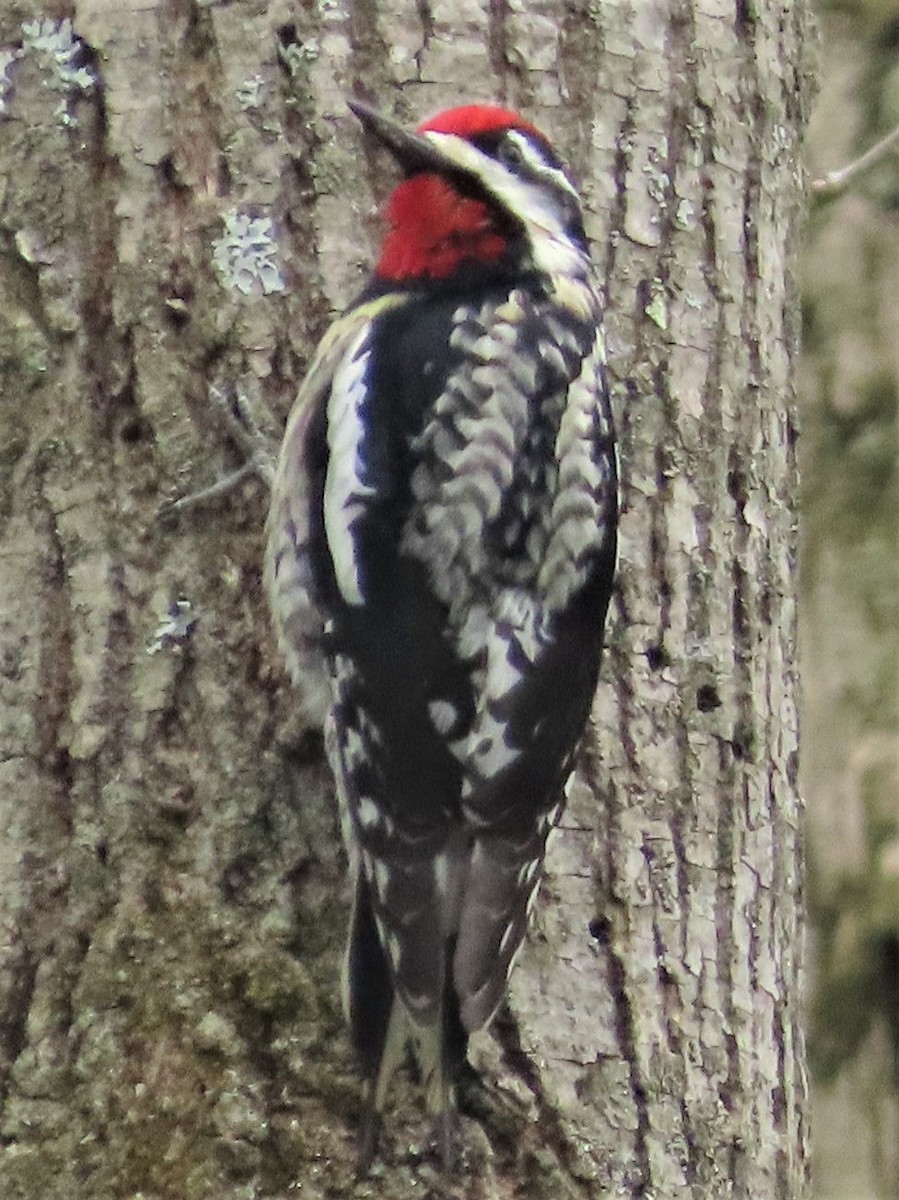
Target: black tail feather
(369, 984)
(369, 1136)
(381, 1029)
(455, 1035)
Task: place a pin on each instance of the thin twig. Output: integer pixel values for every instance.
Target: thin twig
(221, 487)
(837, 181)
(241, 422)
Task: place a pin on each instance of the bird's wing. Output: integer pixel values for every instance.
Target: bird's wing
(288, 568)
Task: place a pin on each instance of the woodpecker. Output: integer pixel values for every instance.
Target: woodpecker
(441, 551)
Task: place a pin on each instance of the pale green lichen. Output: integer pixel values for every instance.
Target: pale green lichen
(7, 58)
(657, 181)
(685, 216)
(656, 307)
(297, 55)
(65, 57)
(244, 257)
(249, 94)
(332, 10)
(57, 40)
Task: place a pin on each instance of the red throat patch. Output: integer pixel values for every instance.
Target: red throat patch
(433, 229)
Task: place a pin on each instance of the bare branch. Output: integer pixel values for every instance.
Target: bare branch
(837, 181)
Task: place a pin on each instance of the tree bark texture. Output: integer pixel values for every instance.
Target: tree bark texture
(185, 203)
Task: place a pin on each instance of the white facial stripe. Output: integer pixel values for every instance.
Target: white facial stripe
(537, 165)
(551, 246)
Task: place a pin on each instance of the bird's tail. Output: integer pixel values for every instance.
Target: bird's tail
(384, 1025)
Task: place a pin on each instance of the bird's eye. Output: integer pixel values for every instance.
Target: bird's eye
(510, 153)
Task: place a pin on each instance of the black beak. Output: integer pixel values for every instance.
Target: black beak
(413, 152)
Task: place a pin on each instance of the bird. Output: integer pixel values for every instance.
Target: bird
(441, 551)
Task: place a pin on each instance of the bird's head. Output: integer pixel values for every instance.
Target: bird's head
(483, 191)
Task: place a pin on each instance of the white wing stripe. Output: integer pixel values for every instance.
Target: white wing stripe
(345, 489)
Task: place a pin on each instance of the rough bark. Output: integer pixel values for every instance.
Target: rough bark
(184, 203)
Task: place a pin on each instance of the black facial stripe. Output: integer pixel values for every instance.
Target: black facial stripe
(491, 142)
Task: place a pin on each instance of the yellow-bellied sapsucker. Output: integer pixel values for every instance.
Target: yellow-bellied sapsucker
(441, 548)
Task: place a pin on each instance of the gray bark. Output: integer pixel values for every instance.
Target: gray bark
(171, 883)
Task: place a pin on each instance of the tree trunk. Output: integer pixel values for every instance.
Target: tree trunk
(185, 201)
